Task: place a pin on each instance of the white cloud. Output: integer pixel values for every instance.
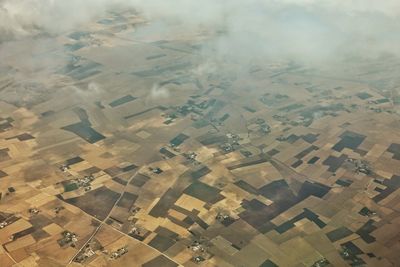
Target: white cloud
(305, 30)
(159, 92)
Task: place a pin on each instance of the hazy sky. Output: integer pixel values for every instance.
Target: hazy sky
(304, 30)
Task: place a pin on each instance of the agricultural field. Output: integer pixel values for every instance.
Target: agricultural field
(129, 149)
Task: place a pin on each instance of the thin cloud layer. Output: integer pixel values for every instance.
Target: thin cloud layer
(310, 31)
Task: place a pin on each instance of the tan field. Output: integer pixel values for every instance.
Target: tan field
(130, 149)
